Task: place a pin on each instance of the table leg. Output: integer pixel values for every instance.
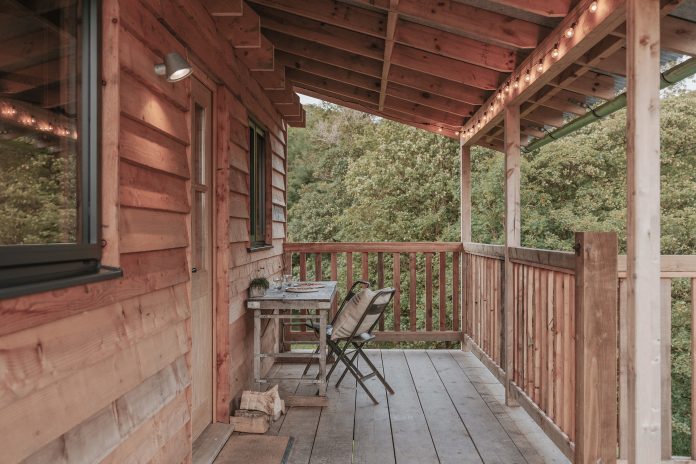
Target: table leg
(322, 351)
(257, 349)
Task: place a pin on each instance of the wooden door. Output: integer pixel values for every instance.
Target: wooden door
(201, 257)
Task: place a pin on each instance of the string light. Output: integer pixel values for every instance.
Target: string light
(570, 32)
(507, 87)
(528, 76)
(517, 82)
(593, 7)
(499, 96)
(439, 129)
(555, 52)
(540, 66)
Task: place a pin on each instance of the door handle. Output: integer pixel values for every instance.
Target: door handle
(193, 270)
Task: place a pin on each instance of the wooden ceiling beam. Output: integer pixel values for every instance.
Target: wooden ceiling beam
(334, 13)
(678, 35)
(326, 70)
(336, 87)
(224, 7)
(455, 46)
(321, 32)
(392, 17)
(257, 59)
(477, 23)
(446, 68)
(436, 85)
(285, 96)
(547, 8)
(294, 121)
(271, 80)
(591, 84)
(242, 31)
(428, 99)
(546, 117)
(324, 54)
(590, 29)
(374, 110)
(432, 114)
(34, 76)
(293, 109)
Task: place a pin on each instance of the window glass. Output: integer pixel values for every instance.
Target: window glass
(40, 106)
(257, 184)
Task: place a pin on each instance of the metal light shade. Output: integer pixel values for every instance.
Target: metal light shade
(175, 67)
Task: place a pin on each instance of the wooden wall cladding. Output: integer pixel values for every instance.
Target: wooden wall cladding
(101, 372)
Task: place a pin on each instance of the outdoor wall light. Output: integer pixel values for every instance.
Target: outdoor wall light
(175, 67)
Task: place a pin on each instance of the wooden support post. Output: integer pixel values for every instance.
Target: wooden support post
(643, 228)
(596, 288)
(512, 233)
(465, 170)
(465, 227)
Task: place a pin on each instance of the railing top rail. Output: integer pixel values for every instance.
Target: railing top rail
(485, 249)
(534, 256)
(670, 266)
(373, 247)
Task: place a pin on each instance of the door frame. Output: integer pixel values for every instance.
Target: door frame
(208, 83)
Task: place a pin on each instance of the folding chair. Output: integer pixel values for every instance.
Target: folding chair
(315, 326)
(354, 333)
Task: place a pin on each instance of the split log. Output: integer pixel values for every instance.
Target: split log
(246, 421)
(268, 402)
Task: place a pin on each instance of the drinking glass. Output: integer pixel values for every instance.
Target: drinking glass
(277, 282)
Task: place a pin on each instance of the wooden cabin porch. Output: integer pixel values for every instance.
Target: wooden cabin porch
(448, 408)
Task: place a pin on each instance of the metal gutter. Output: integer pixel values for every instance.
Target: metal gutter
(667, 78)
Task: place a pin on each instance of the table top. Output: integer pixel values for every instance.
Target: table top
(280, 299)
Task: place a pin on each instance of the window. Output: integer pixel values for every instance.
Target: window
(257, 185)
(49, 227)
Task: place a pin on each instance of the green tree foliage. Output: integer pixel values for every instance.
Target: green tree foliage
(353, 177)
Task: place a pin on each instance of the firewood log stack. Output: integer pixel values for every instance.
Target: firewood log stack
(257, 410)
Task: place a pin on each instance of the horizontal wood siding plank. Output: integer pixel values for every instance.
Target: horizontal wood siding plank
(147, 147)
(143, 230)
(142, 105)
(144, 188)
(82, 394)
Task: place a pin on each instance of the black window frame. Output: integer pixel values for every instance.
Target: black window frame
(258, 187)
(26, 269)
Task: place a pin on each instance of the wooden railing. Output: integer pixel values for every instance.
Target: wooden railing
(543, 335)
(429, 315)
(676, 273)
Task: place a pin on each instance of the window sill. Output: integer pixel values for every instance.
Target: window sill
(105, 273)
(255, 248)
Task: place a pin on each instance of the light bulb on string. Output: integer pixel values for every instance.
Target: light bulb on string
(528, 76)
(593, 7)
(540, 66)
(517, 83)
(570, 32)
(555, 52)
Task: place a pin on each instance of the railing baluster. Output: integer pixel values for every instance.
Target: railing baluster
(428, 292)
(567, 356)
(365, 263)
(303, 277)
(397, 293)
(334, 277)
(537, 335)
(549, 343)
(666, 365)
(543, 327)
(349, 270)
(412, 287)
(455, 291)
(442, 288)
(380, 283)
(693, 368)
(559, 351)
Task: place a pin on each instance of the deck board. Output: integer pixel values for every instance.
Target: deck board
(449, 434)
(373, 434)
(447, 409)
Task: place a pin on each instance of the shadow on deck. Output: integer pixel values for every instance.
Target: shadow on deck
(448, 408)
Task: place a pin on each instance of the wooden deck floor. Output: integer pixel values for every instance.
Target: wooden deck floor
(447, 408)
